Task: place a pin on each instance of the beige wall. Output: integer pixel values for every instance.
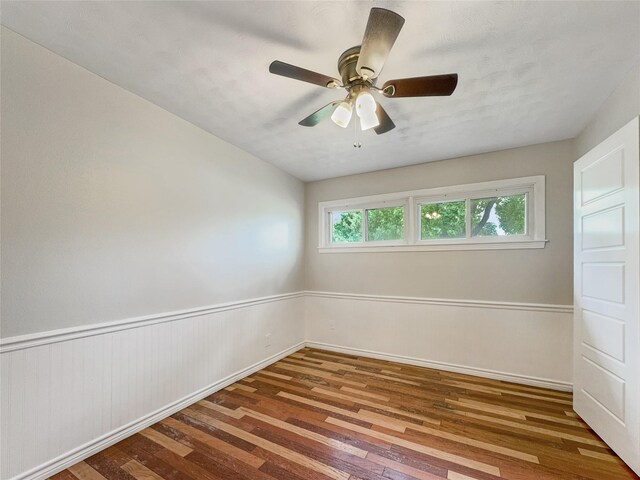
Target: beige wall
(536, 276)
(113, 207)
(620, 108)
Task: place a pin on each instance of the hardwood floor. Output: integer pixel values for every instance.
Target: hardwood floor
(321, 415)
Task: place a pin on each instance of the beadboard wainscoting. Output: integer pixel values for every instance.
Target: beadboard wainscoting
(70, 393)
(517, 342)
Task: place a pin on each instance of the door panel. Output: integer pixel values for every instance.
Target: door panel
(602, 177)
(603, 281)
(604, 334)
(604, 387)
(607, 291)
(603, 229)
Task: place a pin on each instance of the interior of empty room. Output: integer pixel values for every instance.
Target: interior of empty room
(204, 276)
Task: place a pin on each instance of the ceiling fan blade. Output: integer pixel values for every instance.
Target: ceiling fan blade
(433, 86)
(319, 115)
(382, 30)
(386, 123)
(298, 73)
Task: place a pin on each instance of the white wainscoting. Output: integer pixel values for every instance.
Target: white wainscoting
(67, 394)
(518, 342)
(70, 393)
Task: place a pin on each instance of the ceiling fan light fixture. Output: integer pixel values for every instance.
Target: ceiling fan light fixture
(365, 103)
(342, 114)
(366, 109)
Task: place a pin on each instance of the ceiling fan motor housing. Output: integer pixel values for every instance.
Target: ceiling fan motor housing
(347, 67)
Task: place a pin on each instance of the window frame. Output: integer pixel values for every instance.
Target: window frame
(363, 207)
(533, 187)
(419, 201)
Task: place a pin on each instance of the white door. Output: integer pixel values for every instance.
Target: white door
(606, 292)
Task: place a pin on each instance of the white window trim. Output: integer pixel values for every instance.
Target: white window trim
(534, 186)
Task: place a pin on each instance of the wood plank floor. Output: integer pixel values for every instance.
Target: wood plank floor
(320, 415)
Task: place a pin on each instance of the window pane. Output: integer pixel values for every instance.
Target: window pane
(442, 220)
(497, 216)
(385, 224)
(346, 227)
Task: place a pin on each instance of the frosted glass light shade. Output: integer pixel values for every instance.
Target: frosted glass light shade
(365, 103)
(369, 120)
(366, 109)
(342, 115)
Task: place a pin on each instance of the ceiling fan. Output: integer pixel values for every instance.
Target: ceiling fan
(359, 68)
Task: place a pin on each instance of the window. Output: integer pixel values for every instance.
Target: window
(385, 224)
(346, 227)
(442, 220)
(377, 224)
(489, 215)
(497, 216)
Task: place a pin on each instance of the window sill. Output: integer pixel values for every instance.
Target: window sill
(515, 245)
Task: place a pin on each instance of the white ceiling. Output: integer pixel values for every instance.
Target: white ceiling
(530, 72)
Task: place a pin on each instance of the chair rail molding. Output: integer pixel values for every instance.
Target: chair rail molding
(20, 342)
(534, 307)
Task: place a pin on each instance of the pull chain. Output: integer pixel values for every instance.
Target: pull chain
(356, 142)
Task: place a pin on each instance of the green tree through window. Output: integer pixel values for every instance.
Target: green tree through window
(498, 216)
(442, 220)
(346, 227)
(385, 224)
(511, 213)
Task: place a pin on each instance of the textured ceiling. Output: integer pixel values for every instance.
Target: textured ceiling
(530, 72)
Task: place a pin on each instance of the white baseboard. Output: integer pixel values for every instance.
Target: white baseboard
(68, 459)
(478, 372)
